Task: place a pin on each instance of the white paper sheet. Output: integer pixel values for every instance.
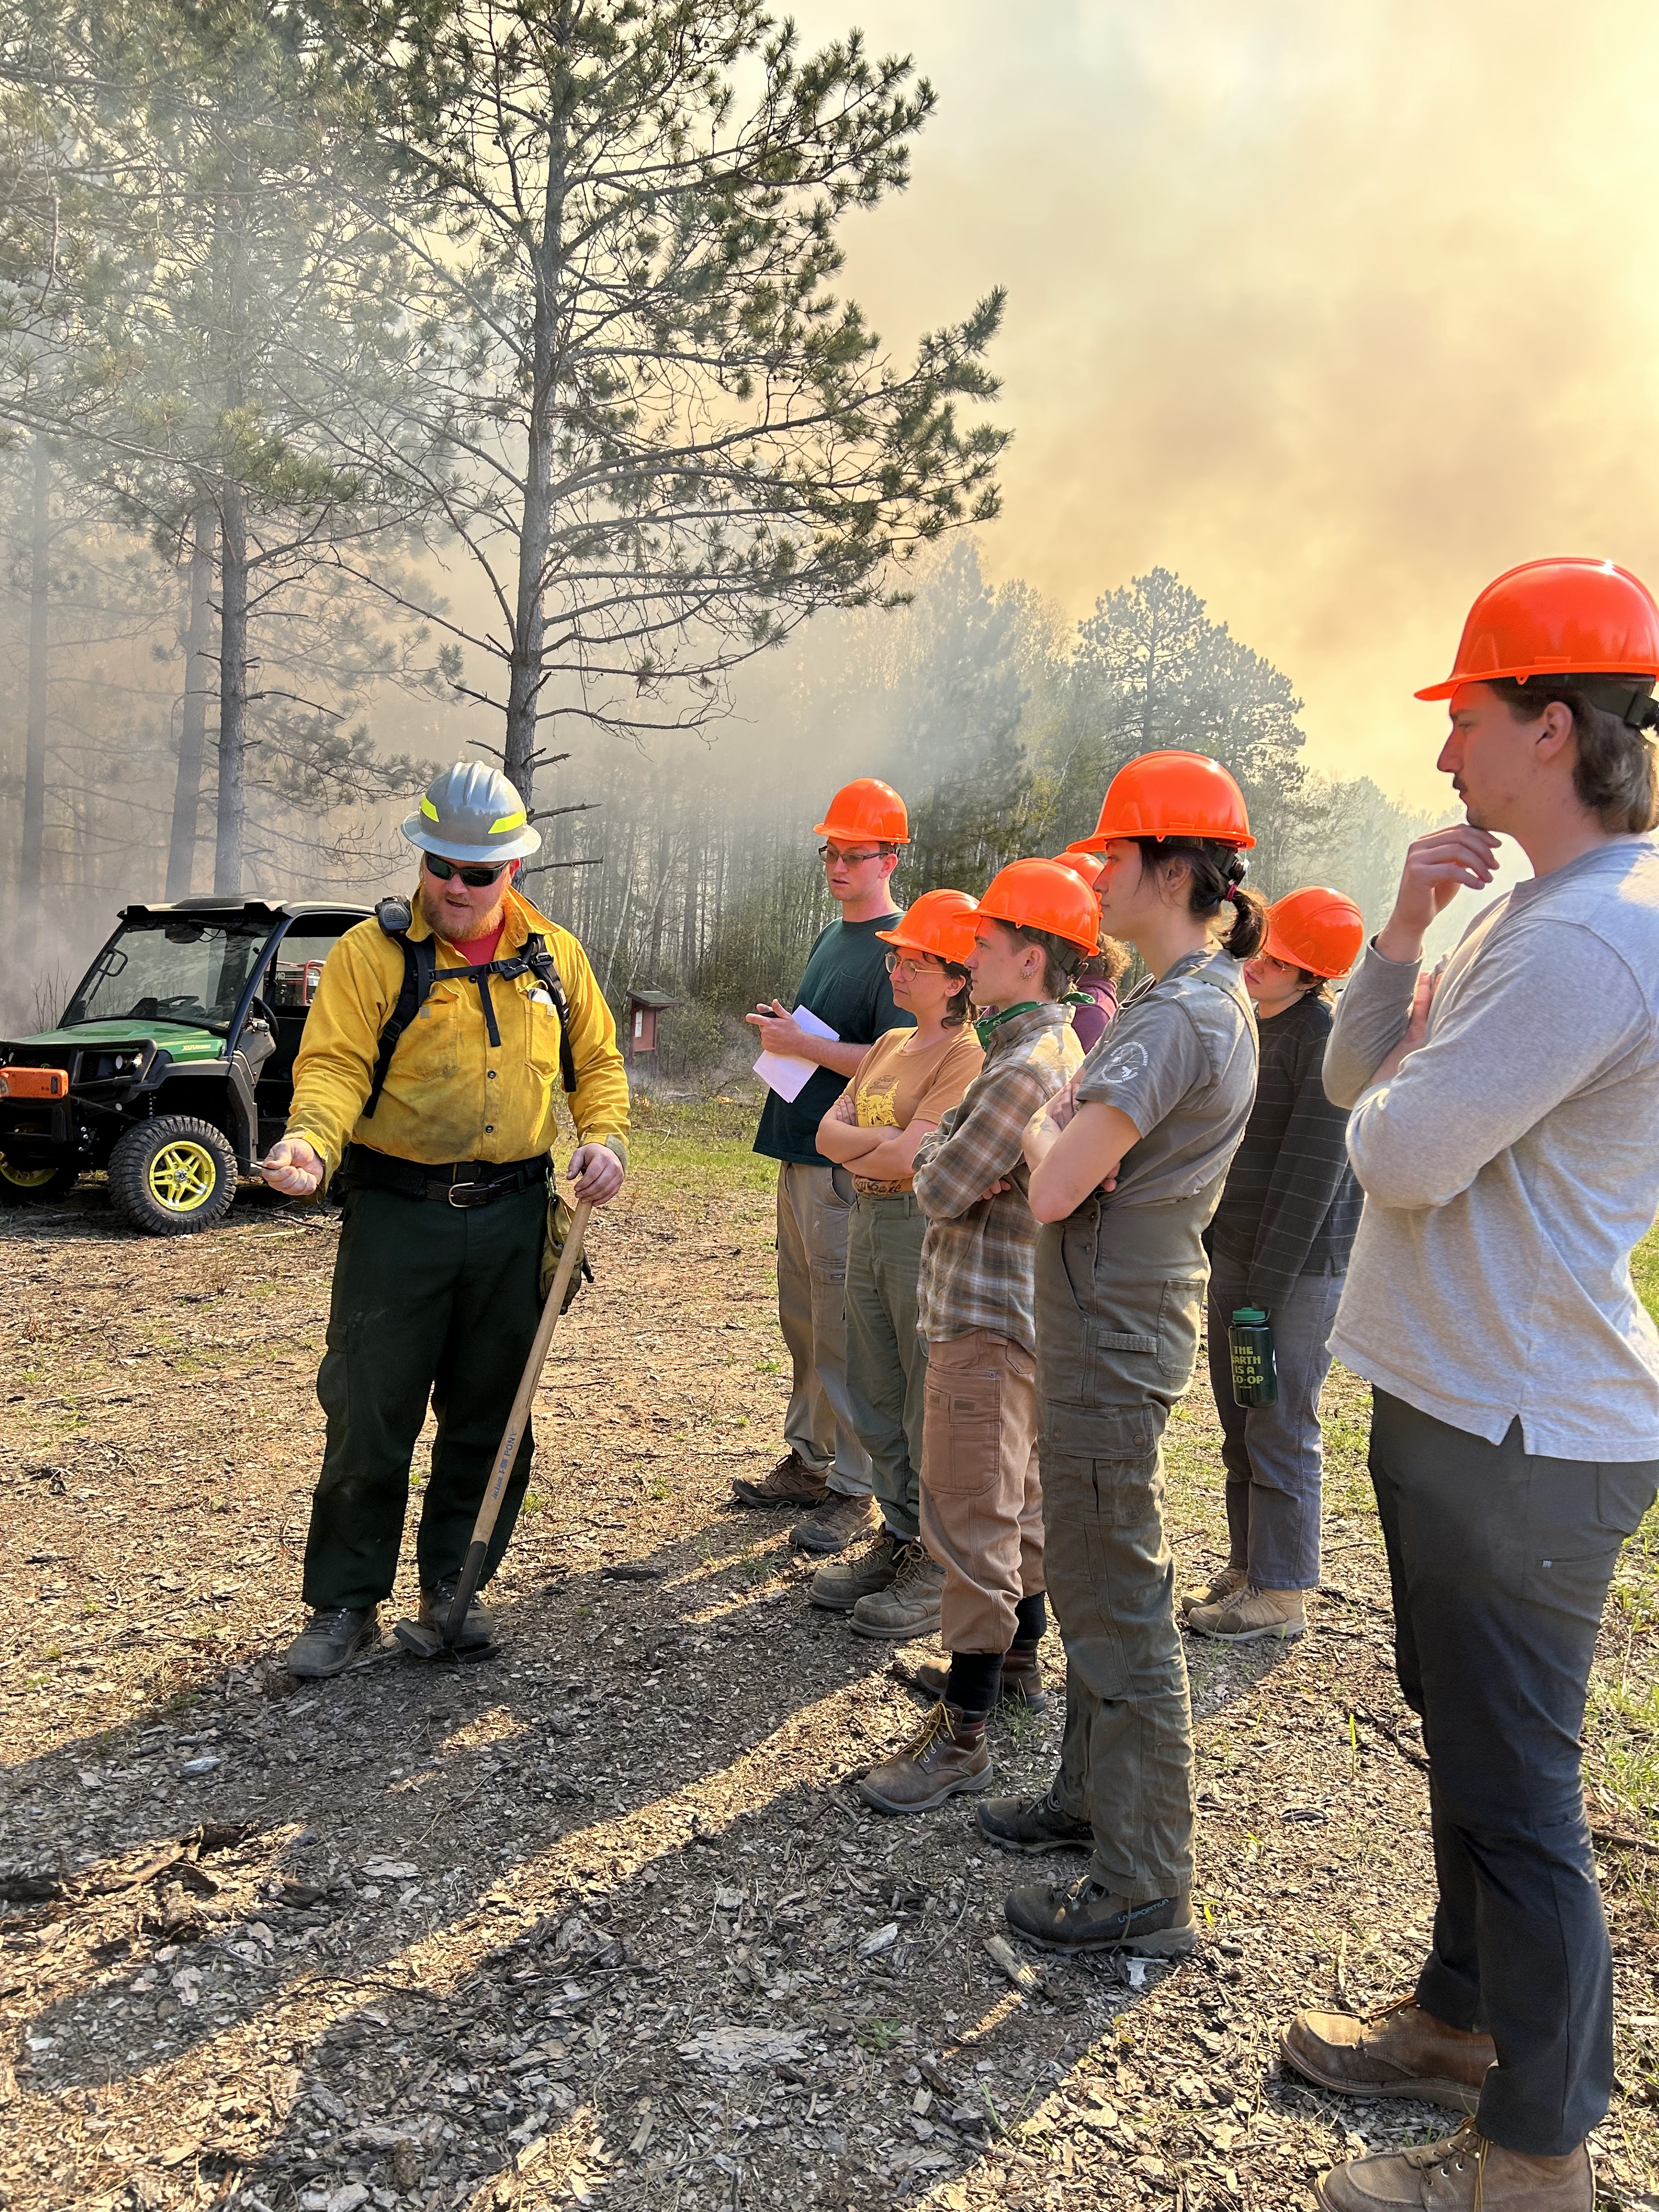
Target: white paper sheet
(783, 1072)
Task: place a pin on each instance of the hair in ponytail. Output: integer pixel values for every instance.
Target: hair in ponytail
(1215, 877)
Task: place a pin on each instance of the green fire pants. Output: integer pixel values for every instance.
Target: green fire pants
(1120, 1290)
(430, 1302)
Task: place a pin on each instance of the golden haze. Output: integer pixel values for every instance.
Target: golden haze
(1337, 311)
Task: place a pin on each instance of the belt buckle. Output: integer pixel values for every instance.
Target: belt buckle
(463, 1204)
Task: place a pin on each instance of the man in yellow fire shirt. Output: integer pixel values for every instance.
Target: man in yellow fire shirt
(433, 1055)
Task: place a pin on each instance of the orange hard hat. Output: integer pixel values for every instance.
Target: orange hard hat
(1171, 794)
(866, 808)
(1316, 928)
(1081, 862)
(939, 922)
(1567, 617)
(1044, 894)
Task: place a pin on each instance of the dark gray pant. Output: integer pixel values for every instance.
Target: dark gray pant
(1119, 1293)
(1500, 1564)
(1273, 1454)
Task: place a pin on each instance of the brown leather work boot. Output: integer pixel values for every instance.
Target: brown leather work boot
(1021, 1680)
(946, 1756)
(791, 1482)
(1463, 2172)
(1225, 1582)
(1401, 2052)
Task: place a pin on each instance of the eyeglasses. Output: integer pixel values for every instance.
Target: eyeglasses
(913, 967)
(475, 878)
(852, 859)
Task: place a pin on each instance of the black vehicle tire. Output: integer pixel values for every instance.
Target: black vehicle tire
(21, 1186)
(173, 1176)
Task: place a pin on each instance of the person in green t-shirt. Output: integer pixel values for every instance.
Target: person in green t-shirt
(826, 1469)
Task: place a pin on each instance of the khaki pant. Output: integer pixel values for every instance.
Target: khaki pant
(981, 1503)
(814, 1204)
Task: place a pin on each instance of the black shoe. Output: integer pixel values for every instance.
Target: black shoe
(477, 1629)
(334, 1636)
(1034, 1824)
(1088, 1917)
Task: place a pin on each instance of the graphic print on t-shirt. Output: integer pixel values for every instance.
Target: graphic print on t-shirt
(877, 1106)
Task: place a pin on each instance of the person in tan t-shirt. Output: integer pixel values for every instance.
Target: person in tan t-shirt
(905, 1085)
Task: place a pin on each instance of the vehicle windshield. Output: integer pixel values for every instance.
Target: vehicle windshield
(171, 970)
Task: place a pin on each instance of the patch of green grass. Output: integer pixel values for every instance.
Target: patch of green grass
(884, 2034)
(1645, 1270)
(694, 1146)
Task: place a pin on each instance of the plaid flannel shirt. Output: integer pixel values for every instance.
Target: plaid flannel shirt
(979, 1254)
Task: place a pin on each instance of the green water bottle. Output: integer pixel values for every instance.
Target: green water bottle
(1255, 1369)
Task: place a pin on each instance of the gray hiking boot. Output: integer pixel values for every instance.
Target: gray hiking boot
(908, 1607)
(477, 1629)
(838, 1587)
(839, 1522)
(1035, 1824)
(334, 1636)
(1088, 1917)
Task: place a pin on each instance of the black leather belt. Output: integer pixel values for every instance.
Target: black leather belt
(461, 1183)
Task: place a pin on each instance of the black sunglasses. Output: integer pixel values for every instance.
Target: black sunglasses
(475, 876)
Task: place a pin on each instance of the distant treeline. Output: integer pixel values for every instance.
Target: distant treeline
(697, 872)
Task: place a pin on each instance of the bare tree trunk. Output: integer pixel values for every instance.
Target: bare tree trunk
(232, 694)
(536, 528)
(192, 731)
(29, 870)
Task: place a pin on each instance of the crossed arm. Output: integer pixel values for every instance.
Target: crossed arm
(1074, 1151)
(884, 1155)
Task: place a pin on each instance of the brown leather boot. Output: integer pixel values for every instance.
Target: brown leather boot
(946, 1756)
(1225, 1582)
(791, 1482)
(1021, 1680)
(1463, 2172)
(1401, 2052)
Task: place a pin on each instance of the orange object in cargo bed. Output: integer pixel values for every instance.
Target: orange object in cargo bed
(33, 1083)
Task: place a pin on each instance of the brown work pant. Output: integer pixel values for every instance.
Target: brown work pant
(982, 1503)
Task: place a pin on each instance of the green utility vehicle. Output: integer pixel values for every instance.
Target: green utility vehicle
(172, 1067)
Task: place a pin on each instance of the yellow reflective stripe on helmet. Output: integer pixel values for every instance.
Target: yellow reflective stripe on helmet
(508, 821)
(428, 810)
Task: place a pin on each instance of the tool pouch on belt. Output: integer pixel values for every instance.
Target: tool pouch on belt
(558, 1228)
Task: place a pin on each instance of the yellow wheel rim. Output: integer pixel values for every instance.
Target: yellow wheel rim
(26, 1178)
(182, 1176)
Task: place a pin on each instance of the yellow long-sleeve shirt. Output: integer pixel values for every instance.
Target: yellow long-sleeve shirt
(449, 1094)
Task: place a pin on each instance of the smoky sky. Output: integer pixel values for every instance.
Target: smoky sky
(1338, 311)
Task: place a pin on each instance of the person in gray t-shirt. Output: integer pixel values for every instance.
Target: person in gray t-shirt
(1505, 1131)
(1125, 1176)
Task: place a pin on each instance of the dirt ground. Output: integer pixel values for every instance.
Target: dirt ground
(600, 1922)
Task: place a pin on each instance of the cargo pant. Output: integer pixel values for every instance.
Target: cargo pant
(429, 1302)
(814, 1206)
(1119, 1293)
(886, 1359)
(981, 1500)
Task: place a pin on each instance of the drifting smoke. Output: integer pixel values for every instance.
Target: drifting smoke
(1337, 312)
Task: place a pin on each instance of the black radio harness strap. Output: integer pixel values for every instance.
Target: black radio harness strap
(420, 972)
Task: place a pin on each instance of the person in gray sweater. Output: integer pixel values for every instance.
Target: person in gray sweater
(1505, 1131)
